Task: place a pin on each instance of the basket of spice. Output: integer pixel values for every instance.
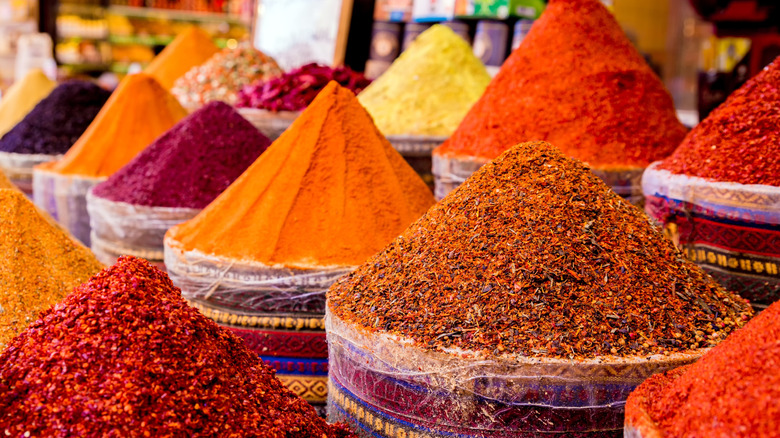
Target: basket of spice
(578, 82)
(419, 101)
(136, 113)
(273, 104)
(718, 195)
(259, 258)
(170, 182)
(49, 129)
(743, 368)
(532, 299)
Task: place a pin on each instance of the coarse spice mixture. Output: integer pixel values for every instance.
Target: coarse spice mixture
(190, 49)
(739, 141)
(40, 264)
(124, 355)
(535, 256)
(578, 82)
(191, 164)
(330, 192)
(733, 390)
(57, 121)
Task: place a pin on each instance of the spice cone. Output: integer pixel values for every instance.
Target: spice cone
(329, 192)
(21, 98)
(577, 82)
(42, 264)
(191, 48)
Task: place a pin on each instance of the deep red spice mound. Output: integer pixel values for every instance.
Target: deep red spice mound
(191, 164)
(124, 355)
(535, 256)
(577, 82)
(732, 391)
(740, 141)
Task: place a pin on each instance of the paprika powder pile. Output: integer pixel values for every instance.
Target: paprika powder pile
(40, 264)
(535, 273)
(189, 49)
(22, 97)
(326, 195)
(124, 354)
(577, 82)
(733, 390)
(138, 111)
(170, 181)
(717, 194)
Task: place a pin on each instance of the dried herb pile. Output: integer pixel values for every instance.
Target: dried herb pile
(535, 256)
(40, 264)
(57, 121)
(739, 141)
(124, 355)
(733, 390)
(578, 82)
(191, 163)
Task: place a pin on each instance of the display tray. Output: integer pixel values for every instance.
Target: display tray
(271, 124)
(19, 168)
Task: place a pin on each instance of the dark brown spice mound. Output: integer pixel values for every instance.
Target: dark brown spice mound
(124, 355)
(535, 256)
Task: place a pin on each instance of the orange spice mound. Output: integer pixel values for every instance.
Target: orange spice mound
(577, 82)
(139, 111)
(191, 48)
(331, 191)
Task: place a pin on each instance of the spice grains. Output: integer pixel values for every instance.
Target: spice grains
(535, 257)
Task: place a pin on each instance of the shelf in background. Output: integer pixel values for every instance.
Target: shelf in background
(175, 14)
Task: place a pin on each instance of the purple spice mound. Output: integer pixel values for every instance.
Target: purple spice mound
(191, 164)
(57, 121)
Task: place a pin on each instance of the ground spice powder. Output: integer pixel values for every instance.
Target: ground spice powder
(535, 256)
(57, 121)
(731, 391)
(191, 48)
(139, 111)
(124, 355)
(429, 88)
(331, 191)
(577, 82)
(40, 264)
(739, 141)
(191, 164)
(21, 98)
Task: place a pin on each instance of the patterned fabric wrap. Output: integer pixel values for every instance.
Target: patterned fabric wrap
(384, 386)
(731, 230)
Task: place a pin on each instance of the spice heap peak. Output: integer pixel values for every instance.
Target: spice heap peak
(191, 48)
(535, 256)
(41, 264)
(137, 112)
(191, 163)
(124, 352)
(577, 82)
(740, 141)
(22, 97)
(330, 192)
(743, 368)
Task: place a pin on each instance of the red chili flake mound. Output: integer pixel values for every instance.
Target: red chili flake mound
(740, 141)
(124, 355)
(535, 256)
(191, 164)
(296, 89)
(732, 391)
(577, 82)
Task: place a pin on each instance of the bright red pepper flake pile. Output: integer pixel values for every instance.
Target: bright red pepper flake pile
(577, 82)
(535, 256)
(732, 391)
(740, 141)
(124, 355)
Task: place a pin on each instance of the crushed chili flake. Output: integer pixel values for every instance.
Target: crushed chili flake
(535, 256)
(124, 355)
(733, 390)
(740, 141)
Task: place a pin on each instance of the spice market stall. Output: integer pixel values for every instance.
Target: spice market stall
(532, 299)
(326, 195)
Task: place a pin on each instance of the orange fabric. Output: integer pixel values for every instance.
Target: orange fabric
(191, 48)
(331, 191)
(139, 111)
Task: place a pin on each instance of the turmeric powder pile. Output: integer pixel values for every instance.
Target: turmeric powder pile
(191, 48)
(22, 97)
